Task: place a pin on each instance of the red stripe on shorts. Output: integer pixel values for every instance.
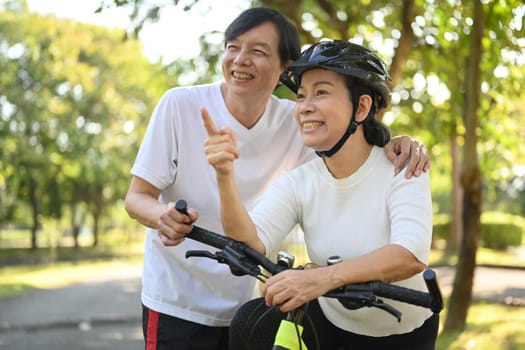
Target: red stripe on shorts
(153, 326)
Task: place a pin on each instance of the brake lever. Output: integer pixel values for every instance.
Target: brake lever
(201, 254)
(388, 308)
(357, 300)
(237, 267)
(231, 258)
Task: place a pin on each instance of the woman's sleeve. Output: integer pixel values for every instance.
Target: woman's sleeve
(410, 204)
(275, 212)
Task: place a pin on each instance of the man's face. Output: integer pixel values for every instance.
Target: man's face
(251, 61)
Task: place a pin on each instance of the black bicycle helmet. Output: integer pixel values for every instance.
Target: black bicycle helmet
(363, 66)
(343, 57)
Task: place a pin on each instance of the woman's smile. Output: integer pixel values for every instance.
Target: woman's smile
(311, 125)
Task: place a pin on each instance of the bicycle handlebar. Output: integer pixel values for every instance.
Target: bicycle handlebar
(431, 300)
(236, 254)
(221, 242)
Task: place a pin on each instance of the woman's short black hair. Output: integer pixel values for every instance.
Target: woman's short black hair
(289, 42)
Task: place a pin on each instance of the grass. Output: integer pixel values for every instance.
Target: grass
(489, 327)
(18, 279)
(23, 269)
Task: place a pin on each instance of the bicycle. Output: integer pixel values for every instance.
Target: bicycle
(244, 260)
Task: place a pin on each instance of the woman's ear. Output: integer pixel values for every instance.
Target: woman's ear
(365, 104)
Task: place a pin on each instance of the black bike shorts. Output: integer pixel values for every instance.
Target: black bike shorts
(164, 332)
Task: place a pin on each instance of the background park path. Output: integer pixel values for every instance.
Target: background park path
(104, 312)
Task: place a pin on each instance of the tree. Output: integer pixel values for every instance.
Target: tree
(74, 101)
(461, 297)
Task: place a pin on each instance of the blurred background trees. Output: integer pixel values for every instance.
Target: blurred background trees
(74, 101)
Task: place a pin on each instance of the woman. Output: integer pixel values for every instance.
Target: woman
(349, 202)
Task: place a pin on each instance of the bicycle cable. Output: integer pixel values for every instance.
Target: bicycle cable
(259, 320)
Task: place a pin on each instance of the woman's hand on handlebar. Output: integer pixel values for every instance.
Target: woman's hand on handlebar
(292, 288)
(173, 226)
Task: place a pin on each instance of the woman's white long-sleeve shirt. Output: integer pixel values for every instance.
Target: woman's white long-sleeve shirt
(350, 217)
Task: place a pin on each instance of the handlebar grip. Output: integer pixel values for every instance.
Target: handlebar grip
(436, 298)
(208, 237)
(200, 234)
(402, 294)
(431, 300)
(181, 206)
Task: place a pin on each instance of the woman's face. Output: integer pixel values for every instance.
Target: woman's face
(323, 109)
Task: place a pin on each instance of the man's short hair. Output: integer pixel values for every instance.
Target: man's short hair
(289, 42)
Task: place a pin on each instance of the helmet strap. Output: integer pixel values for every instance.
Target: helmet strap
(352, 127)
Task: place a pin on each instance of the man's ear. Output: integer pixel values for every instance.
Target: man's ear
(365, 104)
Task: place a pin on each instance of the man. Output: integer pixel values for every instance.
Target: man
(188, 304)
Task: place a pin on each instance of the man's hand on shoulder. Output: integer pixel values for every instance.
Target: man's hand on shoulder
(403, 150)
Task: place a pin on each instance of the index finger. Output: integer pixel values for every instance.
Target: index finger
(209, 125)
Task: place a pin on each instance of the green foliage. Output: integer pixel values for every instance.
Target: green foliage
(74, 103)
(500, 236)
(51, 255)
(441, 231)
(501, 230)
(498, 230)
(484, 256)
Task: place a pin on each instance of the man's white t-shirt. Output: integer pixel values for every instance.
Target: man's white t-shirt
(172, 158)
(350, 217)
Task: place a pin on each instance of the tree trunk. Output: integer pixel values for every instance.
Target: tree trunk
(404, 46)
(75, 228)
(454, 241)
(96, 226)
(405, 42)
(34, 211)
(96, 211)
(461, 296)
